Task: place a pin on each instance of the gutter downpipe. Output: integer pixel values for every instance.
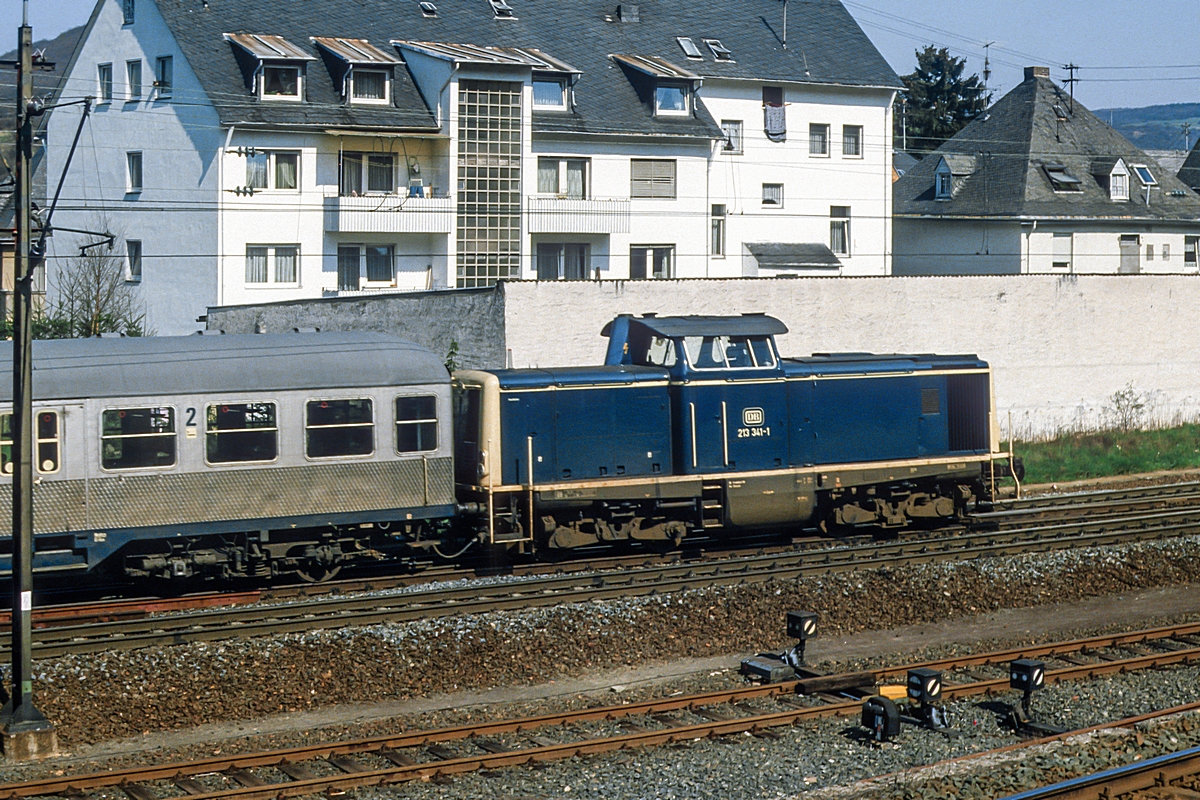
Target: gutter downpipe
(1029, 248)
(221, 217)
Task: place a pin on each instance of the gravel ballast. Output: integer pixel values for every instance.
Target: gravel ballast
(104, 696)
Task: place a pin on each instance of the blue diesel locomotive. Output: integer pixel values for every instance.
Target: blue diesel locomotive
(697, 424)
(298, 454)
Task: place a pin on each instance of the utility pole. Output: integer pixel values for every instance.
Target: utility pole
(987, 65)
(1071, 81)
(1187, 137)
(904, 123)
(26, 734)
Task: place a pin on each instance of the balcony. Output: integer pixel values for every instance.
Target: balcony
(389, 213)
(562, 215)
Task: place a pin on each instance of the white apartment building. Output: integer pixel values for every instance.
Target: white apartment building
(248, 152)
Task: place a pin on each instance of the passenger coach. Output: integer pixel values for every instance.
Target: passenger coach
(232, 456)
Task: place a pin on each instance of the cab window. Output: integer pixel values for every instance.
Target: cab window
(760, 346)
(661, 352)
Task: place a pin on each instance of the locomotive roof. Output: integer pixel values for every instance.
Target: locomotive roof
(624, 375)
(65, 369)
(674, 327)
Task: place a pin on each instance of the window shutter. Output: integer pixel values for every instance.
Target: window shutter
(653, 178)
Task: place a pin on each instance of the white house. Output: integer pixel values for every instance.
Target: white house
(246, 151)
(1040, 184)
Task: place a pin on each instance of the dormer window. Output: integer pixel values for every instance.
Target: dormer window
(549, 94)
(273, 66)
(944, 189)
(369, 85)
(363, 70)
(280, 82)
(1118, 187)
(1061, 179)
(1144, 175)
(672, 99)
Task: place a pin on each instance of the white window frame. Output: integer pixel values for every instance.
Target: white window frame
(839, 219)
(562, 190)
(770, 197)
(649, 249)
(720, 53)
(130, 67)
(670, 112)
(271, 174)
(1137, 170)
(689, 48)
(560, 107)
(718, 241)
(164, 77)
(733, 129)
(387, 87)
(135, 167)
(365, 174)
(653, 186)
(281, 98)
(845, 130)
(1118, 185)
(271, 252)
(127, 11)
(813, 128)
(133, 260)
(104, 83)
(365, 274)
(943, 184)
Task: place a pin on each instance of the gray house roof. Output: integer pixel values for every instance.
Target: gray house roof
(825, 46)
(1029, 135)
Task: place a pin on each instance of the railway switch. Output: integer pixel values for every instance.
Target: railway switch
(881, 718)
(783, 666)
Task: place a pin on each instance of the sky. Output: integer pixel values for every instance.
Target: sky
(1126, 60)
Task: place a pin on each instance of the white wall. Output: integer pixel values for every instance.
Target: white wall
(812, 183)
(179, 138)
(1060, 345)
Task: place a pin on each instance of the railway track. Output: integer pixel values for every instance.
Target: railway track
(1028, 525)
(1174, 776)
(343, 611)
(757, 710)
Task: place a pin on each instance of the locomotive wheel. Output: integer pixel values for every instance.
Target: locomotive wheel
(318, 573)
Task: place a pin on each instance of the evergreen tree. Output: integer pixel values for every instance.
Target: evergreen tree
(940, 102)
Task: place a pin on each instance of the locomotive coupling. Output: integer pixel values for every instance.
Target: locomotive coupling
(472, 509)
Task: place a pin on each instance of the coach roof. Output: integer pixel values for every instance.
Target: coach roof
(68, 369)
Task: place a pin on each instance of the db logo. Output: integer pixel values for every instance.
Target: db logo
(752, 417)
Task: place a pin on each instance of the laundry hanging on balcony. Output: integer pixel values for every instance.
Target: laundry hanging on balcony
(776, 122)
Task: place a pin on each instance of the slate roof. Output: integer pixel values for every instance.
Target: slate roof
(1013, 143)
(1189, 173)
(825, 46)
(784, 255)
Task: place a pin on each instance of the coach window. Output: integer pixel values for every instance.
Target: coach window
(240, 432)
(416, 424)
(133, 438)
(339, 428)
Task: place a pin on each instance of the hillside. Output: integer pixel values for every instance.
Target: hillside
(58, 52)
(1154, 127)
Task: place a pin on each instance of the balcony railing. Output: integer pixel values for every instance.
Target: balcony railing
(562, 215)
(389, 214)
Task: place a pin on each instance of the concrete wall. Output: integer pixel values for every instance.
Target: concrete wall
(1060, 345)
(474, 318)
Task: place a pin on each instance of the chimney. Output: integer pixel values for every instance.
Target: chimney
(1036, 72)
(627, 13)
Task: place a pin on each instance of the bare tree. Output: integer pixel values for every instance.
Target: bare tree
(91, 295)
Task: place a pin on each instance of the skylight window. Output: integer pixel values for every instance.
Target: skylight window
(428, 9)
(1144, 175)
(689, 47)
(502, 9)
(1061, 179)
(720, 52)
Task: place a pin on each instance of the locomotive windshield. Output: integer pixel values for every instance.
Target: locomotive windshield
(661, 352)
(728, 352)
